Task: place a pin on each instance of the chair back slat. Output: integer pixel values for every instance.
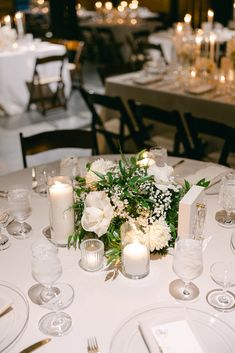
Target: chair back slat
(50, 140)
(170, 118)
(198, 126)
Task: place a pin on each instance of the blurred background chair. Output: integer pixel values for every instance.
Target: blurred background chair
(40, 88)
(117, 130)
(216, 150)
(57, 139)
(161, 119)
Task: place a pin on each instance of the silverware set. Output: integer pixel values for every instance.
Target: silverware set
(92, 345)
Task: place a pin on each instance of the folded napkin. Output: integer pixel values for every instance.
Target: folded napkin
(143, 80)
(213, 173)
(169, 337)
(5, 304)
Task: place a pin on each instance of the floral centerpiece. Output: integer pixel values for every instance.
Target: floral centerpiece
(131, 191)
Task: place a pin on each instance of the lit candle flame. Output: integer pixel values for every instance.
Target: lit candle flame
(187, 18)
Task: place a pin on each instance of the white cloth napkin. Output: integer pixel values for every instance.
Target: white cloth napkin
(213, 173)
(169, 337)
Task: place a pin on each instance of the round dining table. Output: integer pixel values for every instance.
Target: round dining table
(101, 306)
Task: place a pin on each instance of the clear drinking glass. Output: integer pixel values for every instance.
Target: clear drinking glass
(19, 204)
(188, 265)
(232, 243)
(47, 269)
(222, 273)
(227, 200)
(4, 218)
(159, 155)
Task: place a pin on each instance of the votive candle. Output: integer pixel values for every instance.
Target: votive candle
(19, 23)
(135, 260)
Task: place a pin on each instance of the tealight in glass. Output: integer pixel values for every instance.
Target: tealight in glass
(92, 255)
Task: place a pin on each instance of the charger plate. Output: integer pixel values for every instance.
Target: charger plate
(14, 321)
(215, 335)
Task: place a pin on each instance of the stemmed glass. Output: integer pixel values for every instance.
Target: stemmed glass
(20, 208)
(222, 273)
(47, 269)
(4, 219)
(188, 265)
(232, 242)
(227, 200)
(159, 155)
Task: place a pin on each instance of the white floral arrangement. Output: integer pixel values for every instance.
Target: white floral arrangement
(131, 191)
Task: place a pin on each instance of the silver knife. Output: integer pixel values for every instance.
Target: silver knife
(36, 345)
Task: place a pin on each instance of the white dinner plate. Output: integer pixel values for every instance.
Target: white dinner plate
(14, 321)
(215, 335)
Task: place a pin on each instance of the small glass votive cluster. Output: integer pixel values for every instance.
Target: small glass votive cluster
(92, 255)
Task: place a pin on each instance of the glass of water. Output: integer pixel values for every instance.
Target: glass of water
(227, 200)
(19, 204)
(46, 270)
(188, 265)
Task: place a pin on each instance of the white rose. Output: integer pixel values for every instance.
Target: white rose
(158, 235)
(101, 166)
(162, 175)
(98, 213)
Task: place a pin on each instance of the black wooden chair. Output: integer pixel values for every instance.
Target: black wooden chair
(116, 130)
(39, 87)
(55, 139)
(168, 118)
(199, 128)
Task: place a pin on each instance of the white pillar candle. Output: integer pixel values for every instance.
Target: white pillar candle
(212, 47)
(135, 259)
(210, 17)
(61, 213)
(7, 21)
(19, 23)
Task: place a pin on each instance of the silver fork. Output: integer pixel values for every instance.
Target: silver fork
(92, 345)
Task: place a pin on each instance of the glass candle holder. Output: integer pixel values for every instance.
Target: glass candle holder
(92, 255)
(135, 252)
(60, 196)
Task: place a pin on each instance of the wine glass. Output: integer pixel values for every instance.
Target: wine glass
(159, 155)
(47, 269)
(227, 201)
(188, 265)
(20, 208)
(232, 242)
(222, 273)
(4, 219)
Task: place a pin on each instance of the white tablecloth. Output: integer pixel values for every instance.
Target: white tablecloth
(100, 306)
(16, 67)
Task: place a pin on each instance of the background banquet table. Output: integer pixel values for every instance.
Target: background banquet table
(169, 96)
(16, 67)
(100, 306)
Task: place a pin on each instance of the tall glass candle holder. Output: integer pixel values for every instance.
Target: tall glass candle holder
(60, 196)
(135, 252)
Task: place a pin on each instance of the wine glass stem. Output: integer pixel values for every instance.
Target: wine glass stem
(186, 291)
(22, 229)
(228, 218)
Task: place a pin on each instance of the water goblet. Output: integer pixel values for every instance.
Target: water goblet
(188, 265)
(222, 273)
(232, 243)
(20, 208)
(226, 218)
(4, 219)
(47, 269)
(159, 155)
